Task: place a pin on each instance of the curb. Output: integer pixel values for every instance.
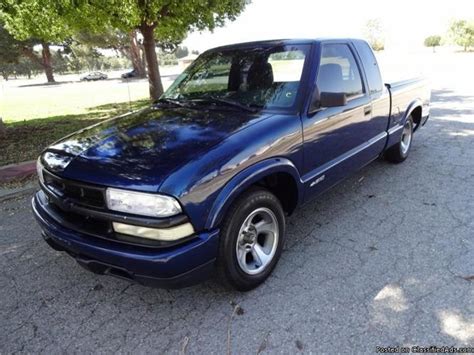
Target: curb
(16, 172)
(13, 193)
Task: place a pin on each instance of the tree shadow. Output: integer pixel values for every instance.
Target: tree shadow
(24, 140)
(448, 105)
(56, 83)
(447, 96)
(121, 106)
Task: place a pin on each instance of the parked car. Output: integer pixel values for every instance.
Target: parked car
(94, 76)
(202, 180)
(130, 74)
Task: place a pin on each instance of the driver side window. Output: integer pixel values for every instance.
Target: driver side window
(213, 77)
(339, 72)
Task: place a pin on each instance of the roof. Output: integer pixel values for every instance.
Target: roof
(284, 41)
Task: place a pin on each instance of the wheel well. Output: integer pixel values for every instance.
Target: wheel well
(284, 187)
(416, 115)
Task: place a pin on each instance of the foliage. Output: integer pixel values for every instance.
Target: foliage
(171, 19)
(181, 52)
(375, 34)
(24, 67)
(461, 32)
(10, 48)
(432, 41)
(43, 20)
(166, 58)
(108, 38)
(12, 62)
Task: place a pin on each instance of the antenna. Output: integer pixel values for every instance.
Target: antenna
(129, 98)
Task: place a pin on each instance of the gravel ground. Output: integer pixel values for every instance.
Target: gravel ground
(386, 258)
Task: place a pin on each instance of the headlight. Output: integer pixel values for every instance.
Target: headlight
(39, 170)
(141, 203)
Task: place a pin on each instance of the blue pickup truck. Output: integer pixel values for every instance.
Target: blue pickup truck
(200, 182)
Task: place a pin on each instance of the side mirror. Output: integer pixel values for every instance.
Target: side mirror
(332, 99)
(327, 99)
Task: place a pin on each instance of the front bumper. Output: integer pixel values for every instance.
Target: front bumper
(177, 266)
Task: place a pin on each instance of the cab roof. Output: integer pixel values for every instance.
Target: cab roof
(273, 42)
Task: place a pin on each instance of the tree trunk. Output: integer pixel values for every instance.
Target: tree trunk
(154, 78)
(135, 55)
(143, 59)
(3, 129)
(47, 65)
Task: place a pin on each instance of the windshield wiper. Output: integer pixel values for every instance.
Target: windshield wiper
(174, 102)
(226, 102)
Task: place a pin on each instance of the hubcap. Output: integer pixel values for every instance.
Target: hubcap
(406, 138)
(257, 241)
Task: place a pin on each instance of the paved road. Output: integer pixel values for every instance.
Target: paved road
(387, 258)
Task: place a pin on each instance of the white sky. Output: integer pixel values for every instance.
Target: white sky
(406, 22)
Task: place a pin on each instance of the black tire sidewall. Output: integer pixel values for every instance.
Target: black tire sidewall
(227, 258)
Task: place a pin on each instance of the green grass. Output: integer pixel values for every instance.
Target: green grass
(29, 99)
(24, 140)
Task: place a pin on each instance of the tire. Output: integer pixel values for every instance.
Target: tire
(246, 255)
(399, 152)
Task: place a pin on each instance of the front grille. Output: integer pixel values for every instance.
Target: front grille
(90, 225)
(81, 207)
(77, 193)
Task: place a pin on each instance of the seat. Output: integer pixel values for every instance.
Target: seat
(260, 76)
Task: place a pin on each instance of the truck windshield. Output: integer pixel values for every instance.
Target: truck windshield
(257, 77)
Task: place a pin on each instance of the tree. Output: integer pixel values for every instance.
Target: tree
(162, 22)
(43, 22)
(461, 32)
(433, 41)
(181, 52)
(375, 34)
(127, 44)
(10, 52)
(136, 50)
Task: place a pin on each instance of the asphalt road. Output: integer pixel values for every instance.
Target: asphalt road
(386, 258)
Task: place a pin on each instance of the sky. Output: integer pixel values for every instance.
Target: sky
(406, 22)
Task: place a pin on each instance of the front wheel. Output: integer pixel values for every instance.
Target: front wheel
(399, 152)
(251, 240)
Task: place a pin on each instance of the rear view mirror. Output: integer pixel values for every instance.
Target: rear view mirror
(332, 99)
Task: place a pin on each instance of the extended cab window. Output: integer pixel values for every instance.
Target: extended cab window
(371, 67)
(263, 77)
(338, 71)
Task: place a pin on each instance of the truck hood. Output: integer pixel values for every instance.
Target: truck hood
(139, 150)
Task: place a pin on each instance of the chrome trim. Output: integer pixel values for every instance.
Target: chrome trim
(331, 164)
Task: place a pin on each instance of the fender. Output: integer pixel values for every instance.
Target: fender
(246, 178)
(394, 133)
(411, 107)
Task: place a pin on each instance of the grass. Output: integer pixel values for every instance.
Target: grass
(25, 100)
(24, 140)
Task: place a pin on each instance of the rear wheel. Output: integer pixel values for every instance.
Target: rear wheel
(399, 152)
(251, 240)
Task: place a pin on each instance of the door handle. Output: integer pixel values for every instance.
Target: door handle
(367, 110)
